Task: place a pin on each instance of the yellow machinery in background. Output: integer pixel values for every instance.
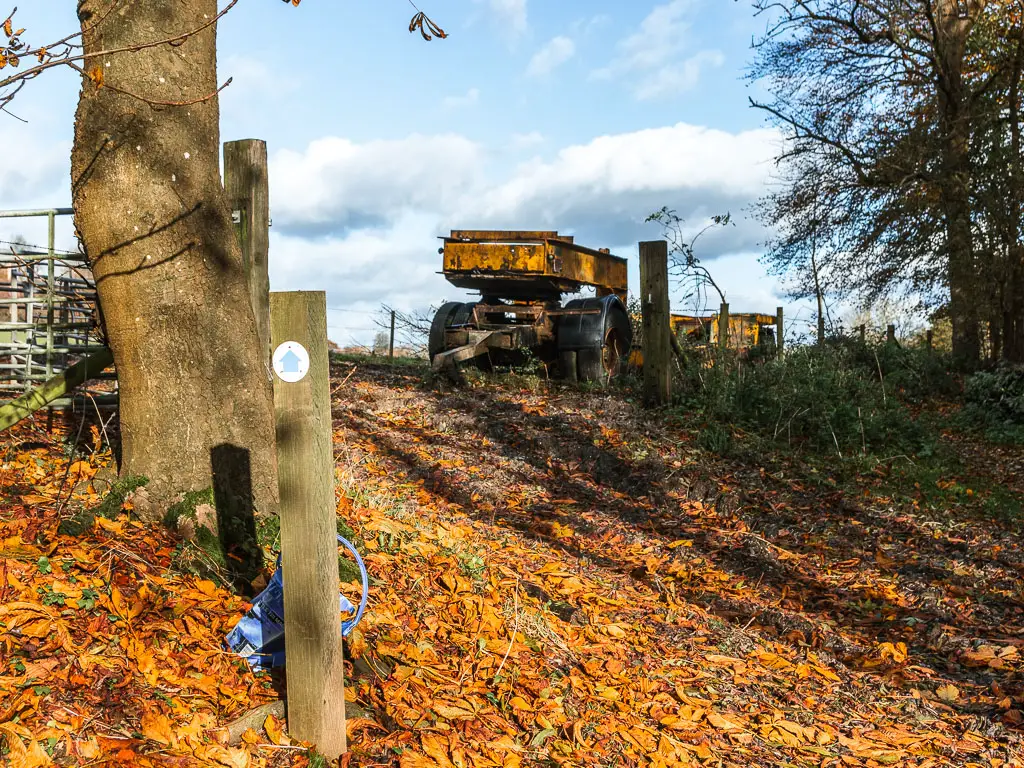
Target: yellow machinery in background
(521, 277)
(747, 331)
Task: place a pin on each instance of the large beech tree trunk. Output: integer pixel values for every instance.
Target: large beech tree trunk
(151, 213)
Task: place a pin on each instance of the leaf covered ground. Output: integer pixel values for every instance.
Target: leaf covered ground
(558, 578)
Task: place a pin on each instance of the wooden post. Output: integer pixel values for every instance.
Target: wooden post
(928, 338)
(309, 551)
(862, 329)
(391, 341)
(723, 327)
(890, 334)
(246, 185)
(657, 329)
(780, 331)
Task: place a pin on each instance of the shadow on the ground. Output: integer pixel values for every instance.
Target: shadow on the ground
(811, 568)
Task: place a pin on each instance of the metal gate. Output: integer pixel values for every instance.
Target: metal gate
(48, 311)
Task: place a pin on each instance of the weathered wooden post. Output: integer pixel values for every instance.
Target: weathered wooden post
(391, 340)
(863, 331)
(657, 329)
(928, 338)
(246, 185)
(309, 551)
(723, 327)
(780, 331)
(890, 334)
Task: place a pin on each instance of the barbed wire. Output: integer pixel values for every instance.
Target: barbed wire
(44, 248)
(355, 311)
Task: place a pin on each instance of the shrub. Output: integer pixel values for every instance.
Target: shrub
(994, 401)
(915, 373)
(821, 397)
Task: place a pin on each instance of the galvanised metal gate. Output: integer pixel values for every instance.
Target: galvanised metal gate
(48, 312)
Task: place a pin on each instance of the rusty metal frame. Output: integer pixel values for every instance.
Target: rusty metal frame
(544, 261)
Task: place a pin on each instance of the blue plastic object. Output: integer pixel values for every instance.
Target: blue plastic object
(259, 635)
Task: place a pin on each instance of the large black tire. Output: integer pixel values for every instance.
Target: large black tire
(607, 362)
(442, 321)
(588, 365)
(567, 365)
(463, 314)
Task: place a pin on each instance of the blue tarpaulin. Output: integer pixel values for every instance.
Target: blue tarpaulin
(259, 635)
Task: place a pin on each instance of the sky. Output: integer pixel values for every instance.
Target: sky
(581, 117)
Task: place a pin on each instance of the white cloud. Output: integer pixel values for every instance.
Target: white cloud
(604, 190)
(395, 263)
(676, 78)
(252, 76)
(337, 184)
(36, 171)
(470, 97)
(688, 167)
(585, 26)
(511, 14)
(527, 140)
(654, 58)
(557, 51)
(361, 220)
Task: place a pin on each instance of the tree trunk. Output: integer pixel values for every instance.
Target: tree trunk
(951, 29)
(1013, 291)
(152, 216)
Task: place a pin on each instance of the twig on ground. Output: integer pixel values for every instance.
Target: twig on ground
(515, 629)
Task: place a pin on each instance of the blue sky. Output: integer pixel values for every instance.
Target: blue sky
(577, 116)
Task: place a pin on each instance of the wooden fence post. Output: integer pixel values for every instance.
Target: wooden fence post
(863, 331)
(657, 328)
(723, 326)
(780, 331)
(391, 340)
(890, 334)
(928, 339)
(246, 185)
(309, 550)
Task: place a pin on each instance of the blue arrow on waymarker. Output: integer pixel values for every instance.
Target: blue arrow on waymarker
(290, 362)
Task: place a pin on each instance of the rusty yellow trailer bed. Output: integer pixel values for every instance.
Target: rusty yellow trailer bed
(745, 329)
(521, 277)
(533, 265)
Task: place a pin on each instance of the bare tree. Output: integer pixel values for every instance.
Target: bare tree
(691, 276)
(412, 329)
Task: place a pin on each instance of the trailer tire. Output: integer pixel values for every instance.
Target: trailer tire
(442, 320)
(608, 361)
(567, 365)
(463, 313)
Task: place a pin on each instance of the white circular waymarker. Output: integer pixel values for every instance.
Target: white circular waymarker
(291, 361)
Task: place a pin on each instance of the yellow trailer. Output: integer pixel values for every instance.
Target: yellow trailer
(746, 331)
(521, 277)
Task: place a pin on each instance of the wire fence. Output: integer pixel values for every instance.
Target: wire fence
(49, 316)
(380, 331)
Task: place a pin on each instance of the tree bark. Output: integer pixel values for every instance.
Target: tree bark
(952, 26)
(153, 218)
(1013, 291)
